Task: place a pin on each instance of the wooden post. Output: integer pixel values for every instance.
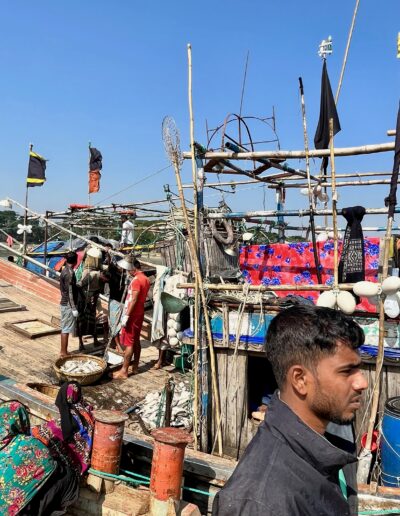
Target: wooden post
(334, 209)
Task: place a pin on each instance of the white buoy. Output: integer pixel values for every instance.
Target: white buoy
(327, 299)
(171, 332)
(346, 302)
(366, 288)
(390, 285)
(391, 306)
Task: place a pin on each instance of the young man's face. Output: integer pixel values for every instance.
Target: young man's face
(335, 392)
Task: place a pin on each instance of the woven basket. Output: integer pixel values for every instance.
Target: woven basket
(49, 390)
(82, 378)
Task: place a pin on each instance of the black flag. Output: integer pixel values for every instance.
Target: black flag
(391, 200)
(95, 165)
(36, 170)
(327, 111)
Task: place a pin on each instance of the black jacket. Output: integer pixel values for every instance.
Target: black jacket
(288, 469)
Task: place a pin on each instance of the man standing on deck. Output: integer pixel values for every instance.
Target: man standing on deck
(69, 294)
(132, 319)
(293, 467)
(127, 231)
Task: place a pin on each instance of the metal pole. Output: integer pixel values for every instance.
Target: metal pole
(26, 205)
(46, 229)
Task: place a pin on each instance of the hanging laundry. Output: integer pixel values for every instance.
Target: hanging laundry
(352, 260)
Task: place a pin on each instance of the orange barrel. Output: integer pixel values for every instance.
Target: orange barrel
(167, 463)
(107, 440)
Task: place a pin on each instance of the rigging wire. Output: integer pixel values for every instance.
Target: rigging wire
(134, 184)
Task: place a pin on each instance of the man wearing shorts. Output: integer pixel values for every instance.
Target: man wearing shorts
(132, 319)
(68, 290)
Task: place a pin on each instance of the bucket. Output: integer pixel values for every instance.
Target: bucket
(374, 441)
(390, 443)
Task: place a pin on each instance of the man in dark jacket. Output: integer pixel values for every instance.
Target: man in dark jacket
(292, 467)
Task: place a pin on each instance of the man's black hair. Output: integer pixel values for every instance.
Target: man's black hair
(303, 334)
(137, 264)
(72, 257)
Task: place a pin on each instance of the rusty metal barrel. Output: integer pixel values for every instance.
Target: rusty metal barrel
(167, 463)
(107, 440)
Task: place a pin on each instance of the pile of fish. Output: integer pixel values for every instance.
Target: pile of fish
(152, 408)
(80, 366)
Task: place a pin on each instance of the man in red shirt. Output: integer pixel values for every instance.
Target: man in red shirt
(133, 315)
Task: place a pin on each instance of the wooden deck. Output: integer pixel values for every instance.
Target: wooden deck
(31, 360)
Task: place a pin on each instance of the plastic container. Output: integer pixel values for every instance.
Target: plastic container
(390, 443)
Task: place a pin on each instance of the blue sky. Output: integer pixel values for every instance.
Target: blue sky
(108, 72)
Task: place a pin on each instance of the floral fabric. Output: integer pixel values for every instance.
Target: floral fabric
(293, 263)
(25, 463)
(74, 451)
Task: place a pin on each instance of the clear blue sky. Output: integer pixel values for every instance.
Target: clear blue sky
(108, 72)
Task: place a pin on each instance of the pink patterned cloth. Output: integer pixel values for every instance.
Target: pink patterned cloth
(293, 264)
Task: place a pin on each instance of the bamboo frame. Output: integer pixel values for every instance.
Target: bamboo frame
(293, 178)
(298, 154)
(288, 213)
(262, 288)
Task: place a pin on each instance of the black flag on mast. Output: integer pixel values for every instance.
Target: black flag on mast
(36, 170)
(327, 111)
(391, 200)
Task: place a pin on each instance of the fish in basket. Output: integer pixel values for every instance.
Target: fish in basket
(84, 369)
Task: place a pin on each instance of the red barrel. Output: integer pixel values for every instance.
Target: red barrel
(167, 463)
(107, 440)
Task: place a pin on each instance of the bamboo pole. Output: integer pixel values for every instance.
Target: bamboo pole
(311, 203)
(334, 209)
(72, 233)
(287, 213)
(380, 356)
(365, 458)
(29, 259)
(370, 182)
(196, 238)
(346, 53)
(192, 146)
(298, 154)
(173, 152)
(262, 288)
(292, 178)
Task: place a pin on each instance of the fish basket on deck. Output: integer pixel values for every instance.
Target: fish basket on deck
(44, 388)
(84, 378)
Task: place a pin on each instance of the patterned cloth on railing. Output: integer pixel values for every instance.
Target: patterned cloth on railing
(293, 264)
(25, 463)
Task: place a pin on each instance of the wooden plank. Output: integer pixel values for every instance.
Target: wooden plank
(32, 328)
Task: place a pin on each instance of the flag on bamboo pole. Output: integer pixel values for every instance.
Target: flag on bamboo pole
(391, 200)
(36, 170)
(327, 111)
(95, 165)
